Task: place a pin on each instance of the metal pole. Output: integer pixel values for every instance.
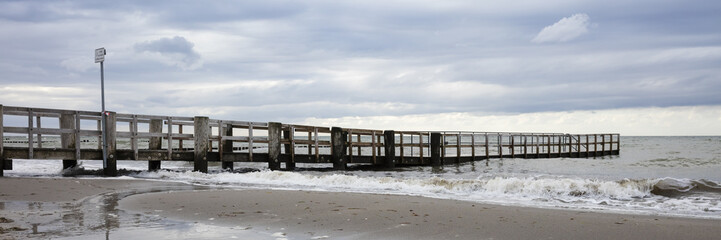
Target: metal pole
(105, 135)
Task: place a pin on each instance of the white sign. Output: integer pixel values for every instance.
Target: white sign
(99, 55)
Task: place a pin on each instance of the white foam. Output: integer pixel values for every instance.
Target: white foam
(540, 191)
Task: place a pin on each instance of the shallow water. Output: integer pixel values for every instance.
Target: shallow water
(676, 176)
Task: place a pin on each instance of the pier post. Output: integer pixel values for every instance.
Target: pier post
(435, 149)
(338, 147)
(288, 136)
(2, 140)
(227, 148)
(389, 142)
(111, 169)
(201, 136)
(155, 143)
(274, 131)
(67, 140)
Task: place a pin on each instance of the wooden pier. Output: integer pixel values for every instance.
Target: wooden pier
(71, 135)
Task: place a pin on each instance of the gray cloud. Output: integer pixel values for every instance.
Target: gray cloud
(288, 60)
(177, 51)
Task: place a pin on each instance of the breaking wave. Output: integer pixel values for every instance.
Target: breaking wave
(695, 198)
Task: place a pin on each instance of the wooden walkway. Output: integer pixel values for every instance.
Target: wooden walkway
(73, 135)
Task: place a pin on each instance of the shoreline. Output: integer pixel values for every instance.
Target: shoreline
(127, 205)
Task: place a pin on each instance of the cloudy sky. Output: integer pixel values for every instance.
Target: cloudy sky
(633, 67)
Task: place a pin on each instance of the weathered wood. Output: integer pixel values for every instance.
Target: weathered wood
(458, 148)
(226, 146)
(513, 146)
(30, 135)
(389, 142)
(487, 149)
(155, 143)
(274, 131)
(287, 147)
(67, 140)
(201, 134)
(170, 137)
(40, 135)
(111, 168)
(338, 148)
(435, 149)
(2, 141)
(402, 147)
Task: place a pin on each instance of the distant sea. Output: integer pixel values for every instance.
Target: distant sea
(672, 176)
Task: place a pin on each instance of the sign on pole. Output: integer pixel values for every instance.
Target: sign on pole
(99, 55)
(100, 58)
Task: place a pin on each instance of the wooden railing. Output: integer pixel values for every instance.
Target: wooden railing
(39, 133)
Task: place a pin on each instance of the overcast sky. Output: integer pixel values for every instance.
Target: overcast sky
(634, 67)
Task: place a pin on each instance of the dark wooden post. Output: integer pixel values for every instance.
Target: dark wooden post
(227, 148)
(274, 131)
(201, 136)
(289, 148)
(389, 142)
(2, 139)
(435, 149)
(155, 143)
(338, 148)
(67, 140)
(111, 169)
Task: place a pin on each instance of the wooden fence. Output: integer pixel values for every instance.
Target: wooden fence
(201, 140)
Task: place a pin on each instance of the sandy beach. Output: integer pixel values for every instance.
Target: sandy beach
(304, 214)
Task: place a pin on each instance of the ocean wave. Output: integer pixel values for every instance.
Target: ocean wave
(665, 195)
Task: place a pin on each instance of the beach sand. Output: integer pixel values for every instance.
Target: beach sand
(317, 215)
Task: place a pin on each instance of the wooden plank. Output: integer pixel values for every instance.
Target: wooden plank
(373, 149)
(338, 149)
(30, 135)
(389, 144)
(250, 142)
(487, 149)
(513, 147)
(473, 146)
(68, 140)
(402, 147)
(500, 146)
(435, 149)
(40, 135)
(315, 140)
(155, 143)
(274, 136)
(99, 129)
(2, 141)
(111, 168)
(458, 148)
(525, 146)
(169, 137)
(201, 133)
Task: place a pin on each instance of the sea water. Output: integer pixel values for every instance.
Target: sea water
(670, 176)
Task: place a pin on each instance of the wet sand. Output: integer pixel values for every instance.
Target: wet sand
(118, 208)
(305, 215)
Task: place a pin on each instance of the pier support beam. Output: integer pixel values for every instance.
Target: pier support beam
(435, 149)
(389, 142)
(227, 148)
(274, 135)
(2, 140)
(288, 136)
(155, 143)
(201, 135)
(111, 169)
(67, 140)
(338, 147)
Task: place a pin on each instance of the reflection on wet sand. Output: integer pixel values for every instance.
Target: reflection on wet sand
(93, 216)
